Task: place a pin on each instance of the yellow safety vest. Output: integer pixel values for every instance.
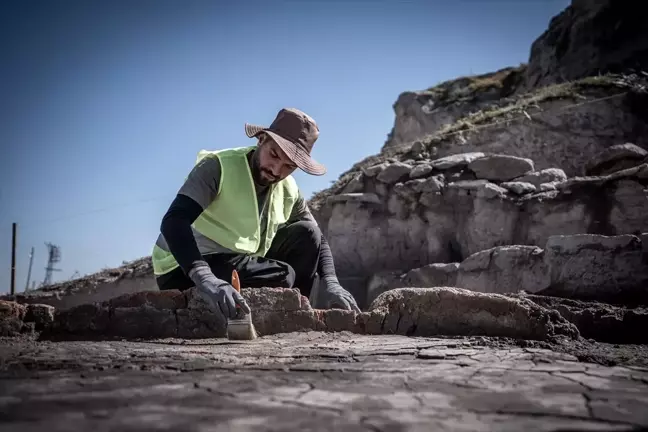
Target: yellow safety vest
(232, 219)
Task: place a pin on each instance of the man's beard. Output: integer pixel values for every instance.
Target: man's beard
(264, 181)
(258, 175)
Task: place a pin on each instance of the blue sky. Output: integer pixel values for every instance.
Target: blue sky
(105, 104)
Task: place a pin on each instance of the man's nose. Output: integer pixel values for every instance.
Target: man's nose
(275, 170)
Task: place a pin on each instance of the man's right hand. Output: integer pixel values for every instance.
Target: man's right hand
(221, 294)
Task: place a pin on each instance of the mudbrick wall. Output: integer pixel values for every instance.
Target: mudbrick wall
(435, 311)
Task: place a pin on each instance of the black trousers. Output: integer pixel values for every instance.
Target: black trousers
(291, 262)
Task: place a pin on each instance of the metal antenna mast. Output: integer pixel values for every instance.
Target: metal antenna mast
(31, 261)
(54, 256)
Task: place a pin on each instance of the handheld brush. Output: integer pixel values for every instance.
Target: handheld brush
(240, 328)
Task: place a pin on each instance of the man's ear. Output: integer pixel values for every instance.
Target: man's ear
(263, 139)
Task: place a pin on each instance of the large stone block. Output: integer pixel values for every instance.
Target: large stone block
(394, 172)
(500, 167)
(505, 269)
(583, 266)
(616, 158)
(455, 311)
(629, 205)
(455, 161)
(142, 322)
(547, 175)
(275, 299)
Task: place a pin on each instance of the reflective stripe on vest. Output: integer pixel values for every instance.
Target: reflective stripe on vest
(232, 219)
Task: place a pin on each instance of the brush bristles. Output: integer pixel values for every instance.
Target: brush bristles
(242, 329)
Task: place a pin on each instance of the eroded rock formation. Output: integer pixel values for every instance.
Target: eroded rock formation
(419, 113)
(589, 38)
(558, 126)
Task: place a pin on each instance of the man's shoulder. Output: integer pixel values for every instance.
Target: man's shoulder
(222, 153)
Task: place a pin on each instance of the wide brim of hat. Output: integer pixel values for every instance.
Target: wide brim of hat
(298, 155)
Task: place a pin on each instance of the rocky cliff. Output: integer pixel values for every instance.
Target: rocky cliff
(561, 125)
(419, 113)
(589, 38)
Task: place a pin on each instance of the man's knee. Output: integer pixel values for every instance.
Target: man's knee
(290, 277)
(284, 275)
(305, 232)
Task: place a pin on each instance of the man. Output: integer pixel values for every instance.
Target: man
(241, 209)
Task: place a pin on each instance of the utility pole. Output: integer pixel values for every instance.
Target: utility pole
(54, 256)
(13, 258)
(31, 261)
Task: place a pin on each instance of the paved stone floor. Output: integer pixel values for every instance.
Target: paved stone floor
(315, 382)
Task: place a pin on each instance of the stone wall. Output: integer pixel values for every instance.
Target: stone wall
(403, 215)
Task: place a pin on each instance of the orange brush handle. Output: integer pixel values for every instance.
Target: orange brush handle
(236, 282)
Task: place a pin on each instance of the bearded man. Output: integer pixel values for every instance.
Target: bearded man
(240, 209)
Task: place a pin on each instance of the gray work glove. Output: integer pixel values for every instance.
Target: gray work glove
(334, 296)
(221, 294)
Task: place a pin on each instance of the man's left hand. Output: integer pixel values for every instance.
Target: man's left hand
(334, 296)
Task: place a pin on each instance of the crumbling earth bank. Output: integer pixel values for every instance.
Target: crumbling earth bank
(314, 381)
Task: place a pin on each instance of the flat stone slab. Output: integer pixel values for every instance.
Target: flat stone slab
(317, 382)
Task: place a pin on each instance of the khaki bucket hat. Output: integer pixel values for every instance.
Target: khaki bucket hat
(295, 132)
